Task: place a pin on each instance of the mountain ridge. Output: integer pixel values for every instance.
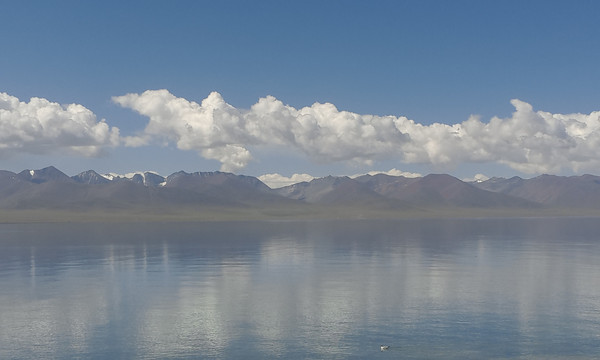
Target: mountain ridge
(551, 190)
(185, 194)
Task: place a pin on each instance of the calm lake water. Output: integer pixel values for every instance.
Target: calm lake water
(431, 289)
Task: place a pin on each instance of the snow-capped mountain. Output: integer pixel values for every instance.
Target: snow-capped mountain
(148, 178)
(219, 192)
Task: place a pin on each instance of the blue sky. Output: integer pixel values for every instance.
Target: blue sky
(432, 62)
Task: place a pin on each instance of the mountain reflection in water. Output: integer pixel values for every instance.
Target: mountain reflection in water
(499, 288)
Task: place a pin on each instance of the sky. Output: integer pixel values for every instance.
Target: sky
(296, 89)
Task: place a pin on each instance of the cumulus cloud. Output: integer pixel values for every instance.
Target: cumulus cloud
(213, 128)
(219, 131)
(529, 141)
(40, 126)
(275, 181)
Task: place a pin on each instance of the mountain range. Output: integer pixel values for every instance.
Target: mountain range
(48, 194)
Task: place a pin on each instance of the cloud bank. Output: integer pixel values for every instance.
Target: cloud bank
(528, 141)
(275, 181)
(392, 172)
(219, 131)
(477, 178)
(40, 127)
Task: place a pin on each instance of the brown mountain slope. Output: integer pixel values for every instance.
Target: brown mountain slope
(445, 190)
(560, 191)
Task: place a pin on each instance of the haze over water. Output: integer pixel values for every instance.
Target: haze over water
(445, 289)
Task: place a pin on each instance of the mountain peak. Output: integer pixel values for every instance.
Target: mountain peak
(49, 188)
(90, 177)
(147, 178)
(46, 174)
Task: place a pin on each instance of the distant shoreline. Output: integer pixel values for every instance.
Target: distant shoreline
(269, 214)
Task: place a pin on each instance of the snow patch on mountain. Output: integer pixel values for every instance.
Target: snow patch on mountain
(148, 178)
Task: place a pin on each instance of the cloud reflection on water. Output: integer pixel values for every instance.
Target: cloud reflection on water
(303, 288)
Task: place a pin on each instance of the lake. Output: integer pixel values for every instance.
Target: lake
(430, 289)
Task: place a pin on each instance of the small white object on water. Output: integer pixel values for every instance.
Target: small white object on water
(385, 347)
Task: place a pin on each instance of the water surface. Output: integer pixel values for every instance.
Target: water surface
(431, 289)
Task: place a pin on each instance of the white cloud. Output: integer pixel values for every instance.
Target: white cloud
(219, 131)
(477, 178)
(392, 172)
(41, 127)
(529, 141)
(275, 181)
(213, 128)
